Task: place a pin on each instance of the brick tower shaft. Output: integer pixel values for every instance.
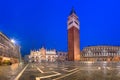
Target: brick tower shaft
(73, 37)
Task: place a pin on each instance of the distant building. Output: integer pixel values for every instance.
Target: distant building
(62, 56)
(26, 58)
(101, 53)
(8, 50)
(43, 55)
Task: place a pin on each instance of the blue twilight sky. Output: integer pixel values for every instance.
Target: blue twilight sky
(34, 23)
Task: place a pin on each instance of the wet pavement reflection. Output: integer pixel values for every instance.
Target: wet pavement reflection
(10, 72)
(63, 71)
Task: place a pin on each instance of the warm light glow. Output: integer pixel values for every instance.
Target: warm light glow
(99, 68)
(89, 62)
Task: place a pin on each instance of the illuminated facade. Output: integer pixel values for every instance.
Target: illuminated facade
(101, 53)
(8, 50)
(43, 55)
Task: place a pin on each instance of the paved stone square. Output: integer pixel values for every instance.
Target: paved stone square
(11, 71)
(64, 71)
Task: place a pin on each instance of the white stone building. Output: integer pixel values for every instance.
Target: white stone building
(43, 55)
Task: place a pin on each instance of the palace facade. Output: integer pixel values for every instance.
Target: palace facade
(43, 55)
(101, 53)
(8, 50)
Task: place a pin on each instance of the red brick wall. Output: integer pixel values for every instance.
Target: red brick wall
(73, 44)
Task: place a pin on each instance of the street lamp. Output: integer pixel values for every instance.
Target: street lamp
(13, 41)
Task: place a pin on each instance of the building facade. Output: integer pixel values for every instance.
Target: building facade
(73, 37)
(101, 53)
(8, 50)
(43, 55)
(62, 56)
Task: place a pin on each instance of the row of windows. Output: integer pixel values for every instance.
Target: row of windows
(101, 49)
(101, 54)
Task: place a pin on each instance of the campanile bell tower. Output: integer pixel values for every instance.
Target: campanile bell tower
(73, 37)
